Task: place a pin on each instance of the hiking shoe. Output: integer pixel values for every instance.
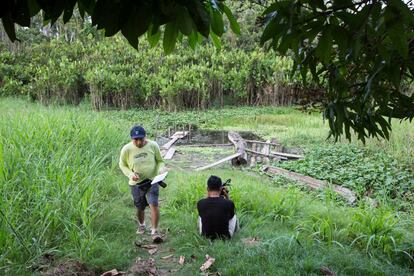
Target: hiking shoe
(156, 238)
(141, 229)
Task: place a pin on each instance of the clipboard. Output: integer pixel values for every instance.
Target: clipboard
(159, 178)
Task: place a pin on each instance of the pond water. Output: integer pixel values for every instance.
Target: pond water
(202, 136)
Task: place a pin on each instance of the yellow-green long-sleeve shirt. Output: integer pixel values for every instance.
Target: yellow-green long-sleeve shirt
(145, 161)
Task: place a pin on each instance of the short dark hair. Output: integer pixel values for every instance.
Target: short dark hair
(214, 183)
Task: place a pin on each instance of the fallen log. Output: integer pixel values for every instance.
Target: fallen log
(312, 182)
(240, 146)
(288, 155)
(267, 155)
(231, 157)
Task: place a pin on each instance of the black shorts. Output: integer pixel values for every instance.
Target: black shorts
(144, 194)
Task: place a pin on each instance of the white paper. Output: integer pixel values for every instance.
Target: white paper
(159, 178)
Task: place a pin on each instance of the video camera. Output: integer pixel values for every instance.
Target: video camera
(224, 191)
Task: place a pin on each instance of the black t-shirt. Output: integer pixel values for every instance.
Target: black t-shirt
(215, 213)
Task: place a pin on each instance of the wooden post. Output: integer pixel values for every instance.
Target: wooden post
(258, 157)
(240, 146)
(253, 157)
(278, 146)
(266, 151)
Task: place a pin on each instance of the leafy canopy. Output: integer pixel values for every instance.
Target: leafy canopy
(361, 50)
(191, 18)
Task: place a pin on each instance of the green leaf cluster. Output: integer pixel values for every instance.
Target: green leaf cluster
(131, 18)
(363, 51)
(368, 173)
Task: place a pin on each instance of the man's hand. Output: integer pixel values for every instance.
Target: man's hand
(135, 177)
(163, 170)
(225, 193)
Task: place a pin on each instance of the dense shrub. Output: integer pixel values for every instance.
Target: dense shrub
(112, 73)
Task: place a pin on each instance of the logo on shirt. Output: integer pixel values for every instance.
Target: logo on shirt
(141, 155)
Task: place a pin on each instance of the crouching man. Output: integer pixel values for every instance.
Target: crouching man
(217, 218)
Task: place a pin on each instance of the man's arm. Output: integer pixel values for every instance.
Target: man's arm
(158, 158)
(123, 164)
(233, 209)
(233, 223)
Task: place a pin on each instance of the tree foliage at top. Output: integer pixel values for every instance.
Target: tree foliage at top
(362, 50)
(192, 18)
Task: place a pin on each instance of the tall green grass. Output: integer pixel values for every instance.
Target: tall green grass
(288, 219)
(52, 173)
(62, 193)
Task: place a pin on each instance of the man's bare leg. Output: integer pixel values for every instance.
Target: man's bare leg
(155, 216)
(141, 216)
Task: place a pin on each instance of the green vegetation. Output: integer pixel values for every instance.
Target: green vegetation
(360, 51)
(109, 73)
(63, 194)
(364, 171)
(63, 198)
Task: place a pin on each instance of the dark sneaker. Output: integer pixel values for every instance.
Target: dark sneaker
(156, 238)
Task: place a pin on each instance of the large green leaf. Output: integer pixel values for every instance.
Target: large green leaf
(9, 26)
(217, 24)
(323, 50)
(170, 37)
(137, 24)
(67, 14)
(216, 40)
(184, 21)
(233, 22)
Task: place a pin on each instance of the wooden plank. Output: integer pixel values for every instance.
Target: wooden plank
(169, 154)
(288, 155)
(219, 162)
(207, 145)
(179, 134)
(174, 138)
(267, 155)
(261, 142)
(313, 183)
(170, 143)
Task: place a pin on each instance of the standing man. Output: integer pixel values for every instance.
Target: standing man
(217, 217)
(141, 161)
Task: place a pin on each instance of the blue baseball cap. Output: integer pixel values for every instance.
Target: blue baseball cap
(138, 132)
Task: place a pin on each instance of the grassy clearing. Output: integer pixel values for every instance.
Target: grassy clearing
(63, 194)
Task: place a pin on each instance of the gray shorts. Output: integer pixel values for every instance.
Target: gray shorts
(144, 195)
